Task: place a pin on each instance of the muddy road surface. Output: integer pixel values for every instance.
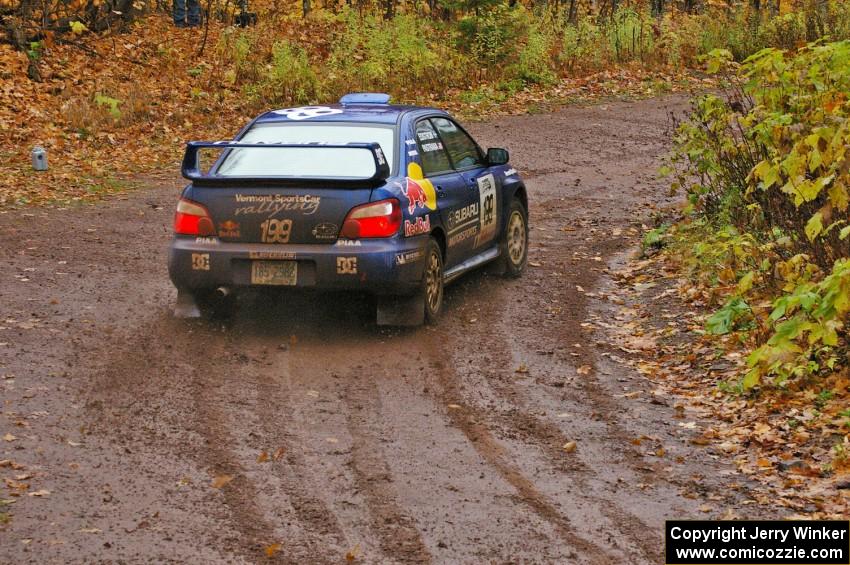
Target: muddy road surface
(327, 437)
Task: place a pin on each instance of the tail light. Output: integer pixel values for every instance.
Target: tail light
(377, 219)
(192, 218)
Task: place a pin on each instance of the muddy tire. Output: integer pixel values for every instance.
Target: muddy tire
(514, 256)
(432, 281)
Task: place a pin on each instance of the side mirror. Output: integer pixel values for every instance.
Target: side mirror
(497, 156)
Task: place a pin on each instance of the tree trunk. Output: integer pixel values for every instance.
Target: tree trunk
(305, 8)
(572, 12)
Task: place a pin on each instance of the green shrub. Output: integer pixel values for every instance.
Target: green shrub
(772, 159)
(534, 60)
(581, 46)
(290, 79)
(404, 55)
(630, 35)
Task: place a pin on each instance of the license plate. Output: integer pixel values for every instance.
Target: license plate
(284, 273)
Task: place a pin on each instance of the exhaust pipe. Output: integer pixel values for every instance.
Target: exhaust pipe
(222, 292)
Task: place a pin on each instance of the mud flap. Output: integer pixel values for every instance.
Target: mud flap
(186, 306)
(401, 310)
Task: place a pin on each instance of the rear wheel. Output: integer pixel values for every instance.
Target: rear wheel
(432, 281)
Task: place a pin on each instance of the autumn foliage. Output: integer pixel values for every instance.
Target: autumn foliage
(113, 89)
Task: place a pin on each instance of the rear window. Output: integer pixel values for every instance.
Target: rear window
(303, 162)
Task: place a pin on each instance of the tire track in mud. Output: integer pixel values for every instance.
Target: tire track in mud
(188, 382)
(275, 414)
(559, 253)
(547, 436)
(549, 439)
(589, 386)
(396, 529)
(240, 495)
(471, 421)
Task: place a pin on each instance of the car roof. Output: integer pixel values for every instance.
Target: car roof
(365, 113)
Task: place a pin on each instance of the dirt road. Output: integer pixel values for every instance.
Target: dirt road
(442, 444)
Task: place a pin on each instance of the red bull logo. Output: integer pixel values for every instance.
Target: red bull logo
(419, 191)
(421, 225)
(228, 229)
(415, 196)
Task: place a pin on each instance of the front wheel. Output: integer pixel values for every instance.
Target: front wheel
(432, 281)
(515, 241)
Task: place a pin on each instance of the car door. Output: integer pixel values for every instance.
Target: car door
(449, 185)
(481, 209)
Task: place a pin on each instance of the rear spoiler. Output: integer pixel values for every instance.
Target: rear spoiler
(191, 166)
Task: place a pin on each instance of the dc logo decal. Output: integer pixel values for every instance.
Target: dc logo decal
(307, 112)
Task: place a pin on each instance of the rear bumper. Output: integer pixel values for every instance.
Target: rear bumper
(379, 266)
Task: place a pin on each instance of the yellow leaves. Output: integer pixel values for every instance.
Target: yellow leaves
(221, 481)
(351, 554)
(746, 282)
(78, 28)
(814, 227)
(272, 550)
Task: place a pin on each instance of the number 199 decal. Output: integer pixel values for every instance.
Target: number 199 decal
(276, 231)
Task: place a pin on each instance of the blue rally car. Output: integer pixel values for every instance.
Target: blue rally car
(394, 200)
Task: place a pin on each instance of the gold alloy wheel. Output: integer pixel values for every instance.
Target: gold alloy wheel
(433, 281)
(516, 238)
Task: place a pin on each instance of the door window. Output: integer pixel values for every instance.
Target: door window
(463, 151)
(431, 150)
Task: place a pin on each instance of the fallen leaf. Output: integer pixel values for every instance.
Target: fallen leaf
(352, 553)
(42, 492)
(221, 480)
(9, 437)
(584, 370)
(272, 549)
(570, 446)
(262, 457)
(278, 453)
(90, 530)
(522, 369)
(454, 406)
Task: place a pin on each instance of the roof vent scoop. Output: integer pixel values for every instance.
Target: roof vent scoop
(365, 98)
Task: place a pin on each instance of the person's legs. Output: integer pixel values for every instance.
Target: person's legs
(179, 12)
(194, 12)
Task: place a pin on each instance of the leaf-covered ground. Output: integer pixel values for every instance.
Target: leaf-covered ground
(785, 440)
